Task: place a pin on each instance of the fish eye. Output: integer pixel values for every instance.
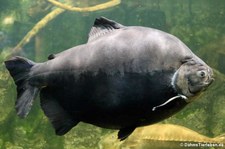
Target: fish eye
(201, 73)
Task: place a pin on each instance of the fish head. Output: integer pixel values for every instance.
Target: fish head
(193, 77)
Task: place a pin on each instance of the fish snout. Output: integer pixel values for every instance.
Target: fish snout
(210, 76)
(210, 79)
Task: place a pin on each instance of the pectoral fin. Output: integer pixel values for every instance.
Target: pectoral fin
(125, 132)
(170, 100)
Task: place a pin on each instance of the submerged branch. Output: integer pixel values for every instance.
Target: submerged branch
(41, 24)
(105, 5)
(50, 16)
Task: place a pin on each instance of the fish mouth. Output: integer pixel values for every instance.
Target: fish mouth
(209, 81)
(192, 93)
(210, 78)
(202, 87)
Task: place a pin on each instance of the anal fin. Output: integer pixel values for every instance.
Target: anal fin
(60, 119)
(125, 132)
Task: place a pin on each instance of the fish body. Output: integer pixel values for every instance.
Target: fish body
(122, 78)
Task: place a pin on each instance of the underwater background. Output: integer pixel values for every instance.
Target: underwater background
(35, 29)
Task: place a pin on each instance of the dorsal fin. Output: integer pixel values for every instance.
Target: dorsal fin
(102, 26)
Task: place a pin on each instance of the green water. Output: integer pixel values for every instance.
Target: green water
(198, 23)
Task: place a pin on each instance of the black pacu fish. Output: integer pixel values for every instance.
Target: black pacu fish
(122, 78)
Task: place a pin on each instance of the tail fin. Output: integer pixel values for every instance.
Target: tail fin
(19, 68)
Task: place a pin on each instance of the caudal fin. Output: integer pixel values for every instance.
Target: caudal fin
(19, 68)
